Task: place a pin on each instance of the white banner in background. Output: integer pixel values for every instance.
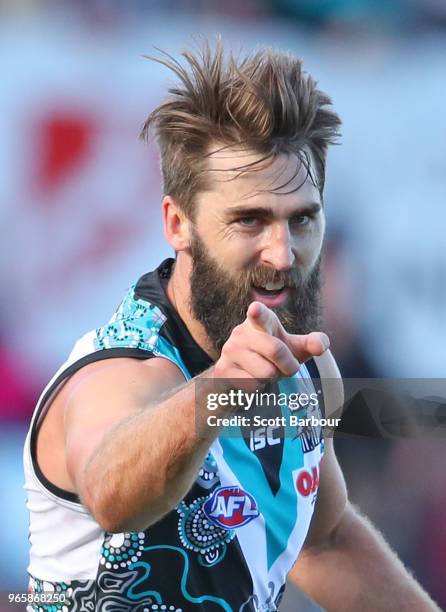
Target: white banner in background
(81, 195)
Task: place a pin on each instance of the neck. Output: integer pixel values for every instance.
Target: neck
(179, 294)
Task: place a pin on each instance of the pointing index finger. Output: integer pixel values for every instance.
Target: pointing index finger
(260, 317)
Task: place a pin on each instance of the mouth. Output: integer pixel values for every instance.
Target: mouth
(270, 294)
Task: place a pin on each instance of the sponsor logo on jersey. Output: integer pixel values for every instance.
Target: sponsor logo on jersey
(307, 481)
(264, 436)
(310, 438)
(230, 507)
(311, 435)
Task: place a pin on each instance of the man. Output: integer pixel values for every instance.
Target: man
(136, 502)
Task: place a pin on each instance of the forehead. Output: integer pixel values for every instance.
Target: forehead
(239, 175)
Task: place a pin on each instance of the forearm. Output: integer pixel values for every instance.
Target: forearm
(357, 570)
(147, 463)
(143, 466)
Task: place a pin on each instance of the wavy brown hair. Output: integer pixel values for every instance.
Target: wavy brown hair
(263, 102)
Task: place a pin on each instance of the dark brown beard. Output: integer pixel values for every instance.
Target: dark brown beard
(220, 301)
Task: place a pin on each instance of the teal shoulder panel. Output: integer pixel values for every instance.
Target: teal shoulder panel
(138, 324)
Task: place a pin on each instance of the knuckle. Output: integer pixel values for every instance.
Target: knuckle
(293, 368)
(278, 350)
(237, 332)
(232, 342)
(263, 369)
(268, 371)
(224, 364)
(220, 367)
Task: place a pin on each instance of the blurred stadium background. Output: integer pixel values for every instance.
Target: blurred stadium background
(79, 213)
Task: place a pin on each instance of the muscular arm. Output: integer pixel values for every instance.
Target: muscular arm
(346, 565)
(135, 438)
(132, 453)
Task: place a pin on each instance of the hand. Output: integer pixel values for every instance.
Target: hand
(261, 349)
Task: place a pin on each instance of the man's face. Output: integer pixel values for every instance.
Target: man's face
(256, 240)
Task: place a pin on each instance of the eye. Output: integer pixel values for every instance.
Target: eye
(300, 220)
(248, 221)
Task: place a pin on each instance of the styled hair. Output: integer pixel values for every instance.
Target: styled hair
(263, 102)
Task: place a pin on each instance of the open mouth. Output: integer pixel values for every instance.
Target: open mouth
(271, 294)
(270, 289)
(268, 292)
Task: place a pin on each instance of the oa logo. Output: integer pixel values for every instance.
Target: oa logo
(308, 482)
(230, 507)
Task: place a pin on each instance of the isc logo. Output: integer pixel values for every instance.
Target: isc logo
(308, 482)
(230, 507)
(263, 436)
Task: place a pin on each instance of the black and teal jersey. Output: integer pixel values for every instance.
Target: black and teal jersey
(227, 546)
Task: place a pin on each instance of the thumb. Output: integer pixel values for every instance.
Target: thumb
(306, 346)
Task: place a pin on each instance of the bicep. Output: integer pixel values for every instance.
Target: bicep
(332, 491)
(103, 395)
(331, 499)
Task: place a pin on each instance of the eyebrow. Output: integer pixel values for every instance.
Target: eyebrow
(267, 212)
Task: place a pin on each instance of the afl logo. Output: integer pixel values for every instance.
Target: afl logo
(230, 507)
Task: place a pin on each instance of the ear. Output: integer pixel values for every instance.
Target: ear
(176, 225)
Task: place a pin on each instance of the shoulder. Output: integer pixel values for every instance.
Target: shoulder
(142, 379)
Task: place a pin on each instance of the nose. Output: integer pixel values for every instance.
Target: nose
(278, 252)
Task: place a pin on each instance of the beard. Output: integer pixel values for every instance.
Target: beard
(219, 300)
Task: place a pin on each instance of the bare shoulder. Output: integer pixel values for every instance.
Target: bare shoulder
(93, 401)
(138, 379)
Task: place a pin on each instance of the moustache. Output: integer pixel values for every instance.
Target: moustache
(261, 276)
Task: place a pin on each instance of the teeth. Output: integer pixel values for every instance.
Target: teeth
(273, 286)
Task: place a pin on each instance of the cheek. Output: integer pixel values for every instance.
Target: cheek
(232, 252)
(319, 238)
(309, 246)
(238, 256)
(242, 248)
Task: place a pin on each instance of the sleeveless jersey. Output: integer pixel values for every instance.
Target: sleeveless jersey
(227, 546)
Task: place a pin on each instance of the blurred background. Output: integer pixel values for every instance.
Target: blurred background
(79, 214)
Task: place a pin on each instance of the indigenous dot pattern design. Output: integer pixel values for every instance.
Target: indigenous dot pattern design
(120, 550)
(161, 607)
(135, 324)
(79, 595)
(197, 533)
